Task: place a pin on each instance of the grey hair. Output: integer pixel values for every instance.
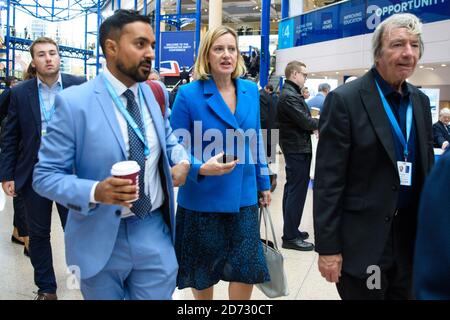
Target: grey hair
(324, 87)
(402, 20)
(444, 112)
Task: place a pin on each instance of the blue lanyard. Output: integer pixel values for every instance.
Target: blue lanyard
(127, 116)
(48, 115)
(394, 122)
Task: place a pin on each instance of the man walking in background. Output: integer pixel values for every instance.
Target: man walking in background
(296, 126)
(31, 109)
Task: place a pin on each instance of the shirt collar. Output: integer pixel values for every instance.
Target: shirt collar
(117, 85)
(41, 84)
(385, 87)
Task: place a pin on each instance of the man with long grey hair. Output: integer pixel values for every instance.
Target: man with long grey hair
(374, 152)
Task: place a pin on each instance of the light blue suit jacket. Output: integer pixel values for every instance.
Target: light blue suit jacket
(201, 104)
(81, 145)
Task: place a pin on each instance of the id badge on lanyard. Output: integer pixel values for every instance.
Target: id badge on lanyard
(404, 168)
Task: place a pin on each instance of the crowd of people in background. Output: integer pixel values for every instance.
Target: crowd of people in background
(61, 135)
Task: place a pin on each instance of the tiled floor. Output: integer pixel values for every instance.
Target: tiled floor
(16, 281)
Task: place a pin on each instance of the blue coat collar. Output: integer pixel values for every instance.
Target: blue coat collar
(220, 108)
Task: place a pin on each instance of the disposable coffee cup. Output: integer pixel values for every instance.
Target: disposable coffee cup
(126, 170)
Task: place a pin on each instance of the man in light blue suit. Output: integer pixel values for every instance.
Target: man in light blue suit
(122, 249)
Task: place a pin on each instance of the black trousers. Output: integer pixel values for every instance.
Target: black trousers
(295, 190)
(39, 217)
(395, 281)
(20, 219)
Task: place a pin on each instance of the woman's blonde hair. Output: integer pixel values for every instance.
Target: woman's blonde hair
(201, 68)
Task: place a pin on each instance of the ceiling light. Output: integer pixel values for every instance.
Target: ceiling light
(365, 70)
(443, 65)
(430, 68)
(421, 67)
(337, 72)
(313, 74)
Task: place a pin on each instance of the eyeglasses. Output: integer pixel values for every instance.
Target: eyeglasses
(305, 75)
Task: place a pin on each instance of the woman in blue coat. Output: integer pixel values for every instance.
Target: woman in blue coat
(217, 119)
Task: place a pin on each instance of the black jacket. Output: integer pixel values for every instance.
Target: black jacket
(356, 185)
(268, 114)
(4, 104)
(294, 120)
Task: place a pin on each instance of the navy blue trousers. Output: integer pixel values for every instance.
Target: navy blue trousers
(295, 190)
(39, 217)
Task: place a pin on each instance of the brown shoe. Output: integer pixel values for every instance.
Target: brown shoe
(46, 296)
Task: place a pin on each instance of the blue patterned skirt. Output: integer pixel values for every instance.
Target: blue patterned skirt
(219, 246)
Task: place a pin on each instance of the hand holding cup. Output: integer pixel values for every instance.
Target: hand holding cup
(122, 188)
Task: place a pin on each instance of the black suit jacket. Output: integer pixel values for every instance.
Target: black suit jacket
(440, 134)
(23, 127)
(356, 180)
(268, 115)
(4, 104)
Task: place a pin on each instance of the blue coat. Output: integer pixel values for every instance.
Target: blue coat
(432, 256)
(82, 144)
(199, 108)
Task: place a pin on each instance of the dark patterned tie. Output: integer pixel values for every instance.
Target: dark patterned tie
(143, 205)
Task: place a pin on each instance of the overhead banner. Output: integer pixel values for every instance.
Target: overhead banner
(178, 46)
(352, 18)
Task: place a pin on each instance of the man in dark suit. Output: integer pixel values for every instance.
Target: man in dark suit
(432, 256)
(31, 109)
(20, 229)
(4, 97)
(374, 152)
(268, 115)
(441, 130)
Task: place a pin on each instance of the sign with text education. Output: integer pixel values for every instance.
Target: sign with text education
(352, 18)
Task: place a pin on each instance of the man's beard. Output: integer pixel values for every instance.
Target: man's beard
(133, 71)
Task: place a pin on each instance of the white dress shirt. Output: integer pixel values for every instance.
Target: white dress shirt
(153, 186)
(47, 98)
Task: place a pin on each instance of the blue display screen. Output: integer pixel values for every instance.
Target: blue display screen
(352, 18)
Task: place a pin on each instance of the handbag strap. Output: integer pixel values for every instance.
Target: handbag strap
(265, 213)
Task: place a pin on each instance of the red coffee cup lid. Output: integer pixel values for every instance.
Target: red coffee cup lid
(124, 168)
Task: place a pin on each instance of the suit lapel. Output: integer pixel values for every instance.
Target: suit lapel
(35, 105)
(243, 102)
(217, 104)
(65, 81)
(105, 101)
(155, 111)
(380, 122)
